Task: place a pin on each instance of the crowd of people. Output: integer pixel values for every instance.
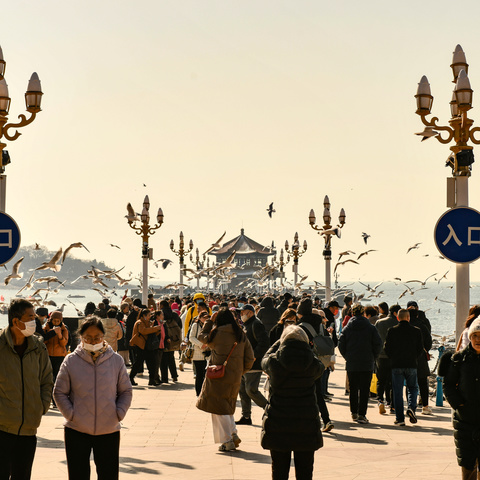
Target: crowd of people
(231, 342)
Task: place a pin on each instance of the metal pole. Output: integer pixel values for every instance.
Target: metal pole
(145, 280)
(3, 192)
(328, 280)
(462, 287)
(180, 290)
(295, 275)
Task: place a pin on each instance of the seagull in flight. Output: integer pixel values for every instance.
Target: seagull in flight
(365, 237)
(115, 246)
(365, 253)
(414, 247)
(420, 282)
(270, 210)
(343, 263)
(216, 244)
(131, 216)
(429, 132)
(52, 264)
(14, 273)
(74, 245)
(346, 252)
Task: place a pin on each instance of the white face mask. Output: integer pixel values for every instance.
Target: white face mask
(30, 328)
(92, 348)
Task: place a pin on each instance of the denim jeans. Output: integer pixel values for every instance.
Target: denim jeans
(399, 377)
(249, 391)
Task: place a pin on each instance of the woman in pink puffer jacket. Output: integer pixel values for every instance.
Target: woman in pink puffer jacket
(93, 393)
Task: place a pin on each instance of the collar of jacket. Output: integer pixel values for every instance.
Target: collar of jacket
(84, 355)
(6, 337)
(250, 320)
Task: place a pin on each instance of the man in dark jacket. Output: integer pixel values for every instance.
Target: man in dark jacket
(403, 345)
(360, 345)
(284, 303)
(423, 370)
(258, 338)
(384, 369)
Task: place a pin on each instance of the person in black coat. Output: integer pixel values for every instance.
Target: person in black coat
(268, 314)
(461, 373)
(258, 338)
(290, 421)
(360, 344)
(403, 346)
(423, 370)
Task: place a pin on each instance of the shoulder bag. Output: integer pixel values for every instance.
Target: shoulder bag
(218, 371)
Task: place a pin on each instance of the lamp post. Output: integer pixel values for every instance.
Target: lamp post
(198, 265)
(180, 253)
(327, 231)
(280, 264)
(460, 160)
(146, 231)
(33, 99)
(296, 253)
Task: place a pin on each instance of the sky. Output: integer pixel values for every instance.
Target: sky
(221, 107)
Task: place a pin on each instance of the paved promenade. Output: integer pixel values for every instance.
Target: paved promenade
(164, 435)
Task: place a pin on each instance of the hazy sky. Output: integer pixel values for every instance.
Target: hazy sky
(221, 107)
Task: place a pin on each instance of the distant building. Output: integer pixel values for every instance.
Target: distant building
(250, 257)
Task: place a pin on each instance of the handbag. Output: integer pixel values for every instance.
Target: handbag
(218, 371)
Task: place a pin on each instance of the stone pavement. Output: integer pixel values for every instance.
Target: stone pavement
(165, 435)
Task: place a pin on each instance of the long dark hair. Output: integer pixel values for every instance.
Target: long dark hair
(167, 311)
(473, 313)
(225, 317)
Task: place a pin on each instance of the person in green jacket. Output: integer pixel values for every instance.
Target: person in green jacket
(27, 383)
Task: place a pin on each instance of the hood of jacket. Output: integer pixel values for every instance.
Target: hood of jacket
(358, 323)
(295, 355)
(267, 302)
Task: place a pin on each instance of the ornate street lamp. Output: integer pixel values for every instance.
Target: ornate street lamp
(327, 231)
(144, 229)
(181, 253)
(280, 264)
(296, 253)
(33, 100)
(460, 160)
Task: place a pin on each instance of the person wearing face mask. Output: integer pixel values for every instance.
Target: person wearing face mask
(57, 345)
(93, 393)
(289, 317)
(193, 312)
(27, 382)
(41, 316)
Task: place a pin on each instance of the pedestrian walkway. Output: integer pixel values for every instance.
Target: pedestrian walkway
(164, 435)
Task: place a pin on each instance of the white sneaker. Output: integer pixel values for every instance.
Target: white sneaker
(426, 410)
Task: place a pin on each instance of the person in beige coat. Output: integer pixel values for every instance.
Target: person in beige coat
(219, 396)
(113, 330)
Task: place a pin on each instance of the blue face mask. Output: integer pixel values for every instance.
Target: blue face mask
(240, 305)
(198, 301)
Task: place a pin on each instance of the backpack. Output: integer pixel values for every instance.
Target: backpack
(321, 344)
(174, 334)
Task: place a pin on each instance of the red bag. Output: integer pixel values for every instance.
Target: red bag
(218, 371)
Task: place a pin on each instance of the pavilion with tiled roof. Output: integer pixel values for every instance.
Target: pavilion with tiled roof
(250, 256)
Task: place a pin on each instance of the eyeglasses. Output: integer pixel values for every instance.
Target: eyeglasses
(93, 340)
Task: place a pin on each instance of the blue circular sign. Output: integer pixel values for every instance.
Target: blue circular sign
(9, 238)
(457, 234)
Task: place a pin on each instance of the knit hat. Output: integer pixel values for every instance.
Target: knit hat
(42, 311)
(474, 327)
(293, 332)
(357, 309)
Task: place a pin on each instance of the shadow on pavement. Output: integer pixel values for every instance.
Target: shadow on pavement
(137, 466)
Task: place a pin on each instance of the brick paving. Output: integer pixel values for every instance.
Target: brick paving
(164, 435)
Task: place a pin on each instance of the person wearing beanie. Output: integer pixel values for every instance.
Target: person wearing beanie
(360, 344)
(291, 422)
(284, 303)
(460, 386)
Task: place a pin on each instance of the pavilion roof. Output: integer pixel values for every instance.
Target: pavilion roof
(243, 245)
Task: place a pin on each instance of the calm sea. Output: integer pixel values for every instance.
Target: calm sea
(437, 300)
